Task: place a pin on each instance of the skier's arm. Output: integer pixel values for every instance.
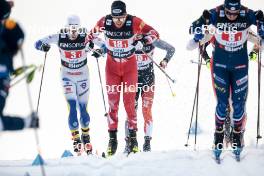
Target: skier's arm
(254, 38)
(44, 44)
(16, 37)
(192, 44)
(204, 53)
(93, 35)
(257, 18)
(165, 46)
(140, 27)
(198, 26)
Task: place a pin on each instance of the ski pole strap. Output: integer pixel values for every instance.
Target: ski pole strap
(196, 62)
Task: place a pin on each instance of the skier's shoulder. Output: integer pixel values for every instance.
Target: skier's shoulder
(12, 29)
(10, 24)
(137, 22)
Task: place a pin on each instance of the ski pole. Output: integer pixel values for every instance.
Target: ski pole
(172, 93)
(259, 92)
(31, 108)
(189, 131)
(100, 78)
(195, 103)
(160, 68)
(197, 97)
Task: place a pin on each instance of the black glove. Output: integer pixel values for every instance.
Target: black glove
(45, 47)
(97, 53)
(259, 15)
(91, 45)
(164, 63)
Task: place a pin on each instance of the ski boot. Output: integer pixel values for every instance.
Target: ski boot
(237, 143)
(127, 146)
(218, 143)
(86, 141)
(132, 141)
(146, 145)
(112, 145)
(77, 143)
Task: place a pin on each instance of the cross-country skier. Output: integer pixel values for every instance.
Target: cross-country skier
(230, 64)
(146, 83)
(74, 76)
(11, 39)
(210, 39)
(120, 30)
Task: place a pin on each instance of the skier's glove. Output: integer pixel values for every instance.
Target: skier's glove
(89, 46)
(97, 53)
(198, 36)
(138, 45)
(253, 56)
(164, 63)
(45, 47)
(260, 23)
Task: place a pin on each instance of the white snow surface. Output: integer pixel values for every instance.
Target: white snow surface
(171, 114)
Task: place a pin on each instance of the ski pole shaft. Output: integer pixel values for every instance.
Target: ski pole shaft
(189, 131)
(160, 68)
(32, 110)
(28, 89)
(197, 99)
(102, 90)
(41, 81)
(172, 93)
(259, 93)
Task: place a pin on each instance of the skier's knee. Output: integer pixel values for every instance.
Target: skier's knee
(221, 113)
(239, 113)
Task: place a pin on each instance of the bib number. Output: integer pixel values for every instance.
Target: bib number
(73, 54)
(232, 37)
(118, 43)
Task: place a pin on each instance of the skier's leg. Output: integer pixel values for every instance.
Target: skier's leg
(70, 95)
(130, 79)
(138, 93)
(83, 89)
(147, 101)
(221, 87)
(239, 97)
(113, 87)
